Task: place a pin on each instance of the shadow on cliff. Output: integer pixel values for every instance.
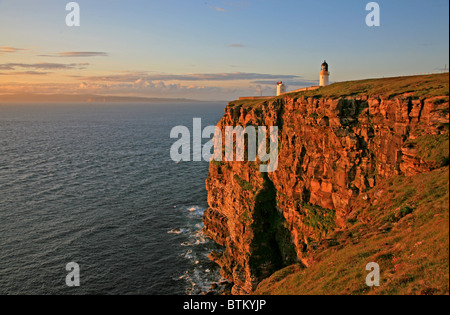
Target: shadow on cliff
(272, 245)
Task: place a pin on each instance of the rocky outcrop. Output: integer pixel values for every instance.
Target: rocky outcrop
(331, 150)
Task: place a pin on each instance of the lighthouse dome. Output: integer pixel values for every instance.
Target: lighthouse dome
(324, 66)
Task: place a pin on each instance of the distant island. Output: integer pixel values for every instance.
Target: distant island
(85, 98)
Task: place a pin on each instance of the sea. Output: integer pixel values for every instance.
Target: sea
(95, 185)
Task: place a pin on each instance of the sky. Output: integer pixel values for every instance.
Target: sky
(213, 49)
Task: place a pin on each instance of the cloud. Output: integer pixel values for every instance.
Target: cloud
(144, 88)
(78, 54)
(220, 9)
(234, 76)
(8, 49)
(43, 66)
(152, 89)
(204, 86)
(25, 73)
(195, 85)
(295, 82)
(46, 88)
(6, 67)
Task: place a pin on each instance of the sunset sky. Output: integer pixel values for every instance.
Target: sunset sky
(213, 49)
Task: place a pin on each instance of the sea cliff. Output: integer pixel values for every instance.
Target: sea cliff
(337, 145)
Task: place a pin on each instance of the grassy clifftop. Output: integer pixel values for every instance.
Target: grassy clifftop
(413, 86)
(422, 86)
(402, 224)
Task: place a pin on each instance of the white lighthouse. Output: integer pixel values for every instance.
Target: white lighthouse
(324, 75)
(281, 88)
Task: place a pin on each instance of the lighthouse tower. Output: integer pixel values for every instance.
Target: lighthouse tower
(324, 74)
(281, 88)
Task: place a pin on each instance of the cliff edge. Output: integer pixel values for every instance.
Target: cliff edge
(347, 154)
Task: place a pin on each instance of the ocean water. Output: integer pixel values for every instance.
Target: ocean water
(94, 184)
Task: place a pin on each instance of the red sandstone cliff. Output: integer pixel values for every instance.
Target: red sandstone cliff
(333, 149)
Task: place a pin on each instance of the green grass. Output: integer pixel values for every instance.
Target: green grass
(243, 183)
(320, 219)
(416, 87)
(409, 241)
(217, 163)
(245, 218)
(432, 148)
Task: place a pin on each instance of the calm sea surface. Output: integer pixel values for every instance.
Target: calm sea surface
(94, 184)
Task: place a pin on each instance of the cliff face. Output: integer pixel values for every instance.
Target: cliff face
(332, 150)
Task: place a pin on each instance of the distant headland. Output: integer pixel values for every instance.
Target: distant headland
(85, 98)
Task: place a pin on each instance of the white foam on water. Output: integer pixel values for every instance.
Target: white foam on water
(177, 231)
(201, 273)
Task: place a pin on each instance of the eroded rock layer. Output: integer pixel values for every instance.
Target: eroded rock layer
(331, 150)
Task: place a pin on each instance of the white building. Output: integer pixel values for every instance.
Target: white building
(324, 75)
(281, 88)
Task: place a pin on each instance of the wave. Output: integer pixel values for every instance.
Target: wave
(177, 231)
(195, 247)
